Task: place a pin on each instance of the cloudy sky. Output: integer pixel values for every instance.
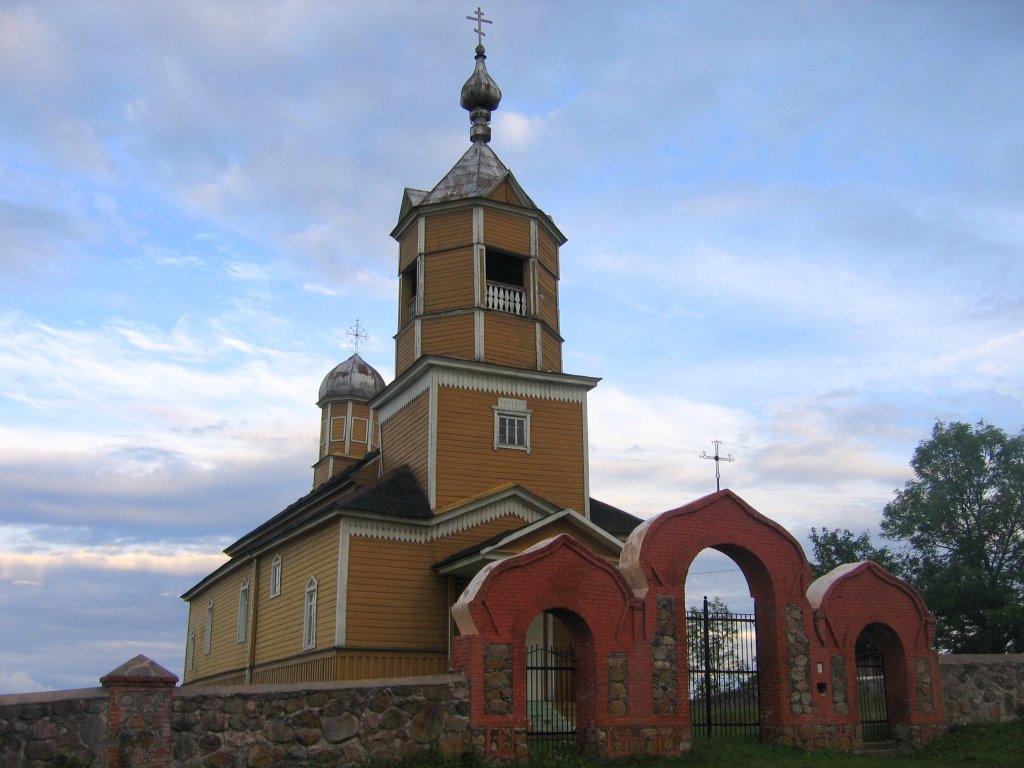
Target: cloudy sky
(796, 227)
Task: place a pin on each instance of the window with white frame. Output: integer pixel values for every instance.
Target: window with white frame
(190, 651)
(511, 424)
(309, 615)
(275, 576)
(243, 611)
(208, 632)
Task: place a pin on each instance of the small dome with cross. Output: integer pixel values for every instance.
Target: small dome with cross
(354, 379)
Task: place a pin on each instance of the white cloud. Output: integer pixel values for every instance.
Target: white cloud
(20, 681)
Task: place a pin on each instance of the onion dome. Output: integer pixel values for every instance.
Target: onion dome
(480, 96)
(354, 379)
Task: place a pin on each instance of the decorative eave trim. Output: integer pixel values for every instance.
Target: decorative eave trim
(482, 377)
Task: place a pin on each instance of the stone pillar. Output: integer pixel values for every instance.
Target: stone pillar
(139, 716)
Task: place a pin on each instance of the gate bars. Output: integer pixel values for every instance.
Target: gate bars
(551, 696)
(722, 651)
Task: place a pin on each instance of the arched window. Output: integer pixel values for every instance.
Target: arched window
(309, 615)
(243, 611)
(275, 576)
(208, 632)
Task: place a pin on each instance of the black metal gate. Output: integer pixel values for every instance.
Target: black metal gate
(550, 698)
(874, 717)
(722, 652)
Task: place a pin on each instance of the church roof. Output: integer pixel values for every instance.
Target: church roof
(473, 175)
(352, 379)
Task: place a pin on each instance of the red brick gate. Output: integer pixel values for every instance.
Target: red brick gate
(628, 629)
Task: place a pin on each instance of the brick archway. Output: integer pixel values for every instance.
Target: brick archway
(631, 624)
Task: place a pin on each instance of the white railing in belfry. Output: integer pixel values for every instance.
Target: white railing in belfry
(505, 298)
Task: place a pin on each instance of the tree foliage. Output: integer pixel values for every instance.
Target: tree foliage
(838, 546)
(960, 523)
(962, 519)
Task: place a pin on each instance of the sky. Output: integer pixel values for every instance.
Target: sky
(796, 227)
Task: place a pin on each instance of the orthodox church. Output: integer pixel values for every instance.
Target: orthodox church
(474, 453)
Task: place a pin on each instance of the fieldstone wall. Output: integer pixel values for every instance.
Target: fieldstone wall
(36, 729)
(340, 724)
(982, 688)
(664, 664)
(801, 701)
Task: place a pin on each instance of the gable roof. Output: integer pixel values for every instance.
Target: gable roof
(473, 175)
(495, 548)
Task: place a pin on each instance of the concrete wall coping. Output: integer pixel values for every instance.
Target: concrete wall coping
(43, 697)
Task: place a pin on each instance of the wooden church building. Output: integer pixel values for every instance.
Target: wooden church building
(475, 452)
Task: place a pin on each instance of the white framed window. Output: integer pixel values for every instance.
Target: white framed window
(208, 631)
(275, 576)
(309, 615)
(243, 611)
(511, 424)
(359, 430)
(190, 650)
(337, 429)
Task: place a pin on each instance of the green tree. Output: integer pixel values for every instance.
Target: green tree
(837, 546)
(962, 520)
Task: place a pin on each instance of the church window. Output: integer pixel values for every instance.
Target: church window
(506, 282)
(358, 430)
(275, 576)
(208, 631)
(338, 428)
(243, 611)
(323, 434)
(409, 291)
(511, 424)
(190, 650)
(309, 615)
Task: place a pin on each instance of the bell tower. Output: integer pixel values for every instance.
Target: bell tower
(480, 398)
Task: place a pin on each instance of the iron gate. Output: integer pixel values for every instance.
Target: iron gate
(550, 698)
(874, 718)
(722, 652)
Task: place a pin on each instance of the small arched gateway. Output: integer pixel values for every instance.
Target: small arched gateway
(628, 632)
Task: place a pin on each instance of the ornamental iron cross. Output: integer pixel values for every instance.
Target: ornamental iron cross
(717, 459)
(478, 17)
(357, 334)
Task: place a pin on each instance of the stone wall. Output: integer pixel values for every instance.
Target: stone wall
(37, 728)
(982, 689)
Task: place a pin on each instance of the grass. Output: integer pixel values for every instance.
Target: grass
(976, 746)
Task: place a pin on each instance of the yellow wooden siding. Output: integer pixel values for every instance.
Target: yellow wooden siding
(506, 193)
(449, 229)
(279, 631)
(395, 600)
(468, 464)
(551, 349)
(405, 348)
(507, 231)
(448, 280)
(510, 341)
(404, 437)
(351, 665)
(407, 248)
(547, 252)
(449, 335)
(226, 653)
(547, 297)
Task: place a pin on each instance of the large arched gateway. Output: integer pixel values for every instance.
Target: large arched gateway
(627, 628)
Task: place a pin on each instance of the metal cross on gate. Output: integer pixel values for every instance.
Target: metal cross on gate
(478, 17)
(717, 459)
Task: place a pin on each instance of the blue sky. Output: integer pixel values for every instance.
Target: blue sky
(797, 227)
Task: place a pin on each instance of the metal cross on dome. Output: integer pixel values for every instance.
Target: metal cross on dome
(478, 17)
(717, 459)
(357, 334)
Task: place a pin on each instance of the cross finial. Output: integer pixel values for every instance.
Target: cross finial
(717, 459)
(478, 17)
(357, 334)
